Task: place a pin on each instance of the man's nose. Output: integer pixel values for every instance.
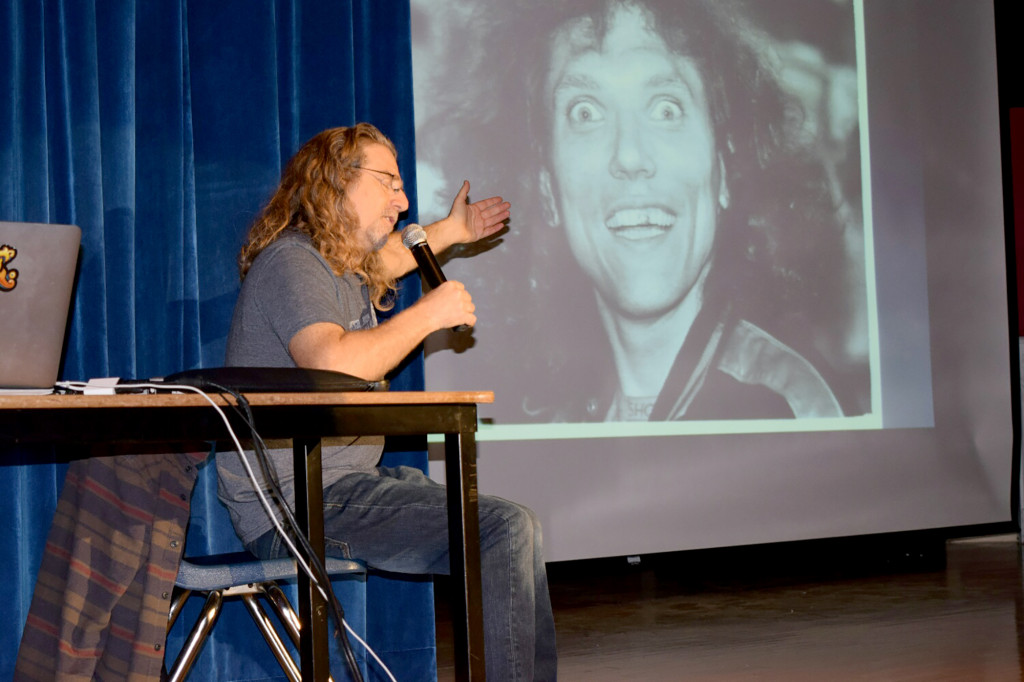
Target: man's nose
(630, 158)
(401, 201)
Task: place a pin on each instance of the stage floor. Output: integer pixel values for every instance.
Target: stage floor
(821, 611)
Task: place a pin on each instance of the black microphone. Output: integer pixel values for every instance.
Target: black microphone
(415, 239)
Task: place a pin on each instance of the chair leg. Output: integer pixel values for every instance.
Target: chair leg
(285, 613)
(180, 597)
(196, 638)
(273, 640)
(283, 608)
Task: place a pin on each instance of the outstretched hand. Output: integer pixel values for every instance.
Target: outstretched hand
(474, 221)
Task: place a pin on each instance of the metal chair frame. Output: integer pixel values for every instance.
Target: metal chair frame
(247, 579)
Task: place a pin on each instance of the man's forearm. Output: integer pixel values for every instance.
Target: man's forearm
(365, 353)
(398, 260)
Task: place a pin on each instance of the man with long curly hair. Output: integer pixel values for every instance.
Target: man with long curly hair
(319, 259)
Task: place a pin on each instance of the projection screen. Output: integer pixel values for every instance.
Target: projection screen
(753, 288)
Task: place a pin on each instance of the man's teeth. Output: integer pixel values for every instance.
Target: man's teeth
(640, 218)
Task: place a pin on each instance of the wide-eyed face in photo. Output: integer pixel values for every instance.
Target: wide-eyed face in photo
(634, 176)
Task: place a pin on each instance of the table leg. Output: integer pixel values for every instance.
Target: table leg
(309, 512)
(464, 541)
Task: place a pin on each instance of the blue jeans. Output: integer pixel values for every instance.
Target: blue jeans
(398, 522)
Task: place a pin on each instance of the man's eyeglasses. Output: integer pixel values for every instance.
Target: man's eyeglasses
(395, 185)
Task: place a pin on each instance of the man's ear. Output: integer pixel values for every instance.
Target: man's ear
(723, 184)
(547, 198)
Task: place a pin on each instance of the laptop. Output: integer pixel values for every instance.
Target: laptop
(37, 273)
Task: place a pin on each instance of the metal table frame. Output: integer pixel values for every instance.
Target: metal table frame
(305, 418)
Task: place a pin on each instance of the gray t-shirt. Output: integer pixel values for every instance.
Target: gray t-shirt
(289, 287)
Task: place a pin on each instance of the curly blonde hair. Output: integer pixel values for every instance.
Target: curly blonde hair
(311, 199)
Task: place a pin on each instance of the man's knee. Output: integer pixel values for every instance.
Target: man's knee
(519, 523)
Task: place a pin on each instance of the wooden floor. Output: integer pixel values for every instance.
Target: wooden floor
(927, 610)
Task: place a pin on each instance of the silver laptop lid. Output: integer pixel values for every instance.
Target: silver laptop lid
(37, 272)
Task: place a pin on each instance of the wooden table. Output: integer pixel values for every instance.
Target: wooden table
(304, 418)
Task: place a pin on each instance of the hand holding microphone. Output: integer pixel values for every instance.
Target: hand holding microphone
(415, 239)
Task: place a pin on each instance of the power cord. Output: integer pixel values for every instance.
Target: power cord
(244, 411)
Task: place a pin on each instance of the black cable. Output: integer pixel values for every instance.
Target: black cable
(260, 450)
(317, 567)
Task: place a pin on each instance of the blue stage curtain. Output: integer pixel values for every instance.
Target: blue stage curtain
(159, 128)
